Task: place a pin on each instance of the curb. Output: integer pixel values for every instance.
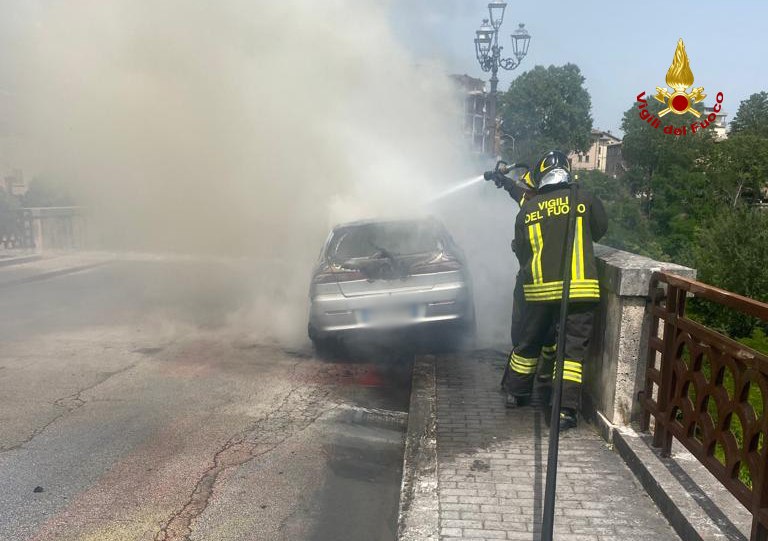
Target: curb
(418, 513)
(689, 509)
(51, 274)
(6, 262)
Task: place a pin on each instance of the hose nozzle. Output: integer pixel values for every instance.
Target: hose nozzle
(504, 167)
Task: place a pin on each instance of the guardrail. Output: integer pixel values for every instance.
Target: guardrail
(47, 228)
(709, 392)
(19, 233)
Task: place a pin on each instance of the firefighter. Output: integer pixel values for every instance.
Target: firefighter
(540, 233)
(519, 192)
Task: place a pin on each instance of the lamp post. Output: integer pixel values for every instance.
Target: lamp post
(488, 52)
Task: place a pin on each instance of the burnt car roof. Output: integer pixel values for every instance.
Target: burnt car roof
(426, 221)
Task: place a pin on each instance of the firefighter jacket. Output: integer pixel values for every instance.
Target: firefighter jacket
(515, 189)
(540, 235)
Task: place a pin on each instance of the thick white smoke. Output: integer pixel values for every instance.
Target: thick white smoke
(240, 128)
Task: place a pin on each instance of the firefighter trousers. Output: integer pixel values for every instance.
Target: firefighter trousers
(535, 337)
(518, 320)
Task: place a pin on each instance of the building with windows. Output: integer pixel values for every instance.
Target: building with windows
(13, 183)
(719, 126)
(475, 119)
(604, 155)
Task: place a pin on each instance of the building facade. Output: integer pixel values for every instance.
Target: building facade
(475, 119)
(604, 155)
(719, 126)
(13, 183)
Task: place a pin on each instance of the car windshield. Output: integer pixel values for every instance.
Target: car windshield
(384, 240)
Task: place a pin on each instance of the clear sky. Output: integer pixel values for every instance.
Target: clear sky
(621, 47)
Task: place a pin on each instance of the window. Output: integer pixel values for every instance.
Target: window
(580, 158)
(586, 158)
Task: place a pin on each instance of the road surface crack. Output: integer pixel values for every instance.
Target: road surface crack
(68, 404)
(299, 409)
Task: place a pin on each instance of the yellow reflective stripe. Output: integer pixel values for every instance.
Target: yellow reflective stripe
(575, 257)
(573, 365)
(548, 352)
(522, 365)
(560, 289)
(541, 251)
(571, 370)
(524, 360)
(580, 230)
(558, 295)
(580, 289)
(540, 243)
(577, 261)
(588, 294)
(534, 251)
(590, 282)
(521, 369)
(537, 247)
(570, 376)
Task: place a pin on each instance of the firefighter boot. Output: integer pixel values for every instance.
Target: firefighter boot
(567, 419)
(516, 401)
(519, 380)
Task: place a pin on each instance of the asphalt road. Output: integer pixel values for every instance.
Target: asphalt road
(139, 401)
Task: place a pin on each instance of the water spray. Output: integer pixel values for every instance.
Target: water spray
(465, 184)
(502, 168)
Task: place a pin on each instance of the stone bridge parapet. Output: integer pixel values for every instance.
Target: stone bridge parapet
(617, 371)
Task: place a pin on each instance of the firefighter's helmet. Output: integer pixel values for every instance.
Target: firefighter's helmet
(552, 168)
(526, 178)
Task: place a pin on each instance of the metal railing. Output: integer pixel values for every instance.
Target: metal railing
(17, 233)
(709, 392)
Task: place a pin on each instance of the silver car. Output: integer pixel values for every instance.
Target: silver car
(384, 275)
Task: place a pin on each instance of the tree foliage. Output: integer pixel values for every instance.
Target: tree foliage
(9, 207)
(45, 192)
(667, 175)
(696, 198)
(738, 168)
(731, 254)
(752, 116)
(628, 228)
(544, 109)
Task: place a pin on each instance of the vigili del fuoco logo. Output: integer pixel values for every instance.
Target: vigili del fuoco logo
(677, 99)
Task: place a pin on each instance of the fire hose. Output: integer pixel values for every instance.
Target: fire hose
(548, 516)
(550, 490)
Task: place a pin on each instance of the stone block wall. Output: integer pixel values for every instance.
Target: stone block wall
(616, 369)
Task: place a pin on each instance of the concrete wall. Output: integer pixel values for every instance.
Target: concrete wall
(58, 228)
(616, 368)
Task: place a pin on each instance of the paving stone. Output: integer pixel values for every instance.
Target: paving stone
(486, 534)
(492, 468)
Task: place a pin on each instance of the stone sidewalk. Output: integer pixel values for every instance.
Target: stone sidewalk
(491, 467)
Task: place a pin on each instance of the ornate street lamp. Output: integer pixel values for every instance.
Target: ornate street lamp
(488, 52)
(484, 39)
(521, 39)
(496, 11)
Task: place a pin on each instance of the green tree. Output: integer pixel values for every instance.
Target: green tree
(667, 173)
(45, 192)
(738, 168)
(657, 160)
(544, 109)
(752, 116)
(628, 228)
(731, 253)
(9, 207)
